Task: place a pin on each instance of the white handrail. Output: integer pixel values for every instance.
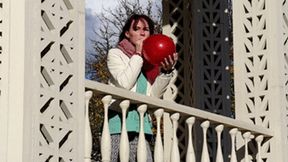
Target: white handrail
(154, 103)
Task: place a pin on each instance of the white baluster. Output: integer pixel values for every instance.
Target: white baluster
(190, 155)
(106, 139)
(175, 155)
(233, 133)
(246, 140)
(88, 135)
(205, 153)
(141, 149)
(158, 149)
(219, 155)
(124, 141)
(259, 140)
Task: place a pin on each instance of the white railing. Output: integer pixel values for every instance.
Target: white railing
(159, 107)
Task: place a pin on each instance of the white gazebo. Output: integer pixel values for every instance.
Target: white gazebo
(42, 83)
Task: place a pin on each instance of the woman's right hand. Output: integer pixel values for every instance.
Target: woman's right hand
(139, 46)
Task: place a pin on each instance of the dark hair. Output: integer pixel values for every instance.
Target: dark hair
(136, 18)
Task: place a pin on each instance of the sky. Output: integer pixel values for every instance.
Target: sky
(93, 7)
(96, 6)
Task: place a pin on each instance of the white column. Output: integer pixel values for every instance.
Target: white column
(205, 153)
(106, 138)
(141, 146)
(158, 149)
(260, 70)
(175, 154)
(88, 133)
(124, 140)
(190, 155)
(22, 75)
(4, 80)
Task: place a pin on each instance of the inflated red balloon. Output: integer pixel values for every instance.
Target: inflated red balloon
(157, 47)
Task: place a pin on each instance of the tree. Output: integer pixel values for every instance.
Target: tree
(112, 22)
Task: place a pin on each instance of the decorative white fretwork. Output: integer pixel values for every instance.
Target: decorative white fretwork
(58, 114)
(260, 57)
(201, 30)
(176, 24)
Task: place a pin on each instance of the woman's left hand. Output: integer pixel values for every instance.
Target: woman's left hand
(169, 62)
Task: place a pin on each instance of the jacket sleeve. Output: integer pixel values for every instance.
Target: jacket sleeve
(160, 85)
(124, 71)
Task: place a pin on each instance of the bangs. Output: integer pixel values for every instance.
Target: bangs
(136, 21)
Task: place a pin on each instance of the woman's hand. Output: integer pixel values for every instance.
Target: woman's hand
(169, 62)
(139, 46)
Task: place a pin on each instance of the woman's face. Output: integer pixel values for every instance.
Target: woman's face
(138, 32)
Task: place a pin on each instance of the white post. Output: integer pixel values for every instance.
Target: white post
(259, 140)
(205, 154)
(175, 154)
(124, 141)
(246, 137)
(233, 133)
(260, 70)
(4, 74)
(168, 136)
(219, 155)
(45, 94)
(190, 155)
(158, 149)
(141, 149)
(106, 139)
(88, 134)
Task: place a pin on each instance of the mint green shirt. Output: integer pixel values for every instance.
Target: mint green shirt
(133, 119)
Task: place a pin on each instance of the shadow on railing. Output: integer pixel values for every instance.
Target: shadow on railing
(163, 109)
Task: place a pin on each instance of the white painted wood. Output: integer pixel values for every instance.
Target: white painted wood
(190, 155)
(158, 148)
(141, 149)
(170, 106)
(88, 134)
(219, 155)
(168, 136)
(124, 141)
(259, 140)
(175, 154)
(205, 154)
(4, 75)
(233, 156)
(246, 137)
(106, 138)
(260, 47)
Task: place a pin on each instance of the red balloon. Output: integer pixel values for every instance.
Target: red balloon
(157, 47)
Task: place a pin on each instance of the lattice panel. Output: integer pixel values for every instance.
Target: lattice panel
(255, 65)
(175, 17)
(58, 82)
(255, 44)
(212, 60)
(285, 46)
(211, 64)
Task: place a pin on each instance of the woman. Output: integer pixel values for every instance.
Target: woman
(129, 70)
